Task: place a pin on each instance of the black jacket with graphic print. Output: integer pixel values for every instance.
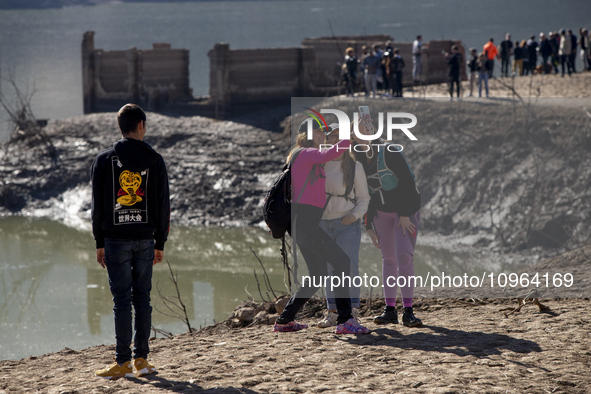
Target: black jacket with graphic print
(130, 196)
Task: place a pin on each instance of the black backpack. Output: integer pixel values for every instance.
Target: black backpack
(277, 205)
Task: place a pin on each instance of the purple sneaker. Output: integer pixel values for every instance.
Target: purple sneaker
(291, 326)
(351, 326)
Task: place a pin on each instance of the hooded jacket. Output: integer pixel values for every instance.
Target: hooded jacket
(130, 196)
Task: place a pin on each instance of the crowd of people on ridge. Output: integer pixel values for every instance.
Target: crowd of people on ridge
(382, 69)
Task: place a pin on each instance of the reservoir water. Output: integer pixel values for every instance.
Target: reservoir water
(41, 48)
(53, 294)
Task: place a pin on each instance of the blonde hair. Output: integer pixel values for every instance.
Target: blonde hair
(302, 141)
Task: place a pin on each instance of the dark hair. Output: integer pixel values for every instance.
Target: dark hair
(396, 51)
(129, 116)
(419, 37)
(455, 48)
(532, 37)
(492, 39)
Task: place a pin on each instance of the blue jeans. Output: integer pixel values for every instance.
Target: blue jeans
(349, 239)
(129, 264)
(482, 77)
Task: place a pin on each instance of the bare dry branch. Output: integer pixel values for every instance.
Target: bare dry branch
(169, 303)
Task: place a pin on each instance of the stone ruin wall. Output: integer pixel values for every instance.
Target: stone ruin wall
(153, 78)
(246, 76)
(158, 78)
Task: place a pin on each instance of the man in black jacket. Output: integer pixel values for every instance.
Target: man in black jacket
(573, 54)
(506, 52)
(455, 63)
(130, 218)
(532, 51)
(473, 67)
(546, 51)
(396, 69)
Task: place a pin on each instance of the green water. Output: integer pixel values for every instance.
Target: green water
(53, 294)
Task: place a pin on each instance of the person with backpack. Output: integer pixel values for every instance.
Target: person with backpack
(348, 199)
(317, 247)
(392, 221)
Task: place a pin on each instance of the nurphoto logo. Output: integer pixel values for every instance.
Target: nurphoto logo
(370, 134)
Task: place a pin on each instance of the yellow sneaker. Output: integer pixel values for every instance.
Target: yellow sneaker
(143, 367)
(116, 371)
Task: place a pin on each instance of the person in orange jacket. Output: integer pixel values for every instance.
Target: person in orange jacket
(491, 52)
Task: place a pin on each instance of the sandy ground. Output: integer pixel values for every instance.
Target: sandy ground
(463, 347)
(538, 85)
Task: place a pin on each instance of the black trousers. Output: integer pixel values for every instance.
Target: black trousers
(533, 63)
(398, 84)
(505, 60)
(318, 249)
(491, 67)
(350, 79)
(573, 59)
(454, 79)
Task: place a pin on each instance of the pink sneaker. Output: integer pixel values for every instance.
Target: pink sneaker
(291, 326)
(351, 326)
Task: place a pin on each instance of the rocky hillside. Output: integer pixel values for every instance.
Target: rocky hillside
(218, 170)
(500, 173)
(492, 173)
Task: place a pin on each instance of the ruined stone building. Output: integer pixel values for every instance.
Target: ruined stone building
(158, 78)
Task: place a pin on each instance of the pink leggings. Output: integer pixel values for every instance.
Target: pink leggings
(397, 256)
